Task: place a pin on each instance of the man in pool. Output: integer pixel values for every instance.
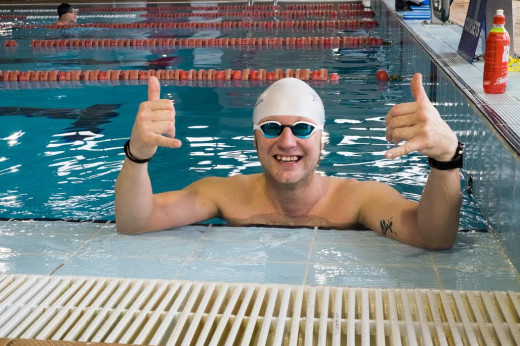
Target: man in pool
(288, 122)
(67, 15)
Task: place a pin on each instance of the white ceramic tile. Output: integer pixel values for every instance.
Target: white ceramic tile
(222, 271)
(30, 264)
(483, 279)
(366, 254)
(146, 268)
(375, 275)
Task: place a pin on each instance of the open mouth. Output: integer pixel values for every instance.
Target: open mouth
(292, 158)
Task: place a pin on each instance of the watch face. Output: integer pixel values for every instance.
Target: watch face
(460, 148)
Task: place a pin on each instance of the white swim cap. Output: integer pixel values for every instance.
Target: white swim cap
(289, 96)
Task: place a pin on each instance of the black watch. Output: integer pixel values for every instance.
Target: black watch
(456, 162)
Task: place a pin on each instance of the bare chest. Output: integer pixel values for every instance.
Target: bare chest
(331, 209)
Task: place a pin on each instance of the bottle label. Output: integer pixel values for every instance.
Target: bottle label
(505, 56)
(501, 80)
(498, 30)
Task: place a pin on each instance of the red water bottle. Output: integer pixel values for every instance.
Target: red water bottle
(497, 56)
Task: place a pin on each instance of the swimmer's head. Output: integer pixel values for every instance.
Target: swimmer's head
(289, 97)
(65, 8)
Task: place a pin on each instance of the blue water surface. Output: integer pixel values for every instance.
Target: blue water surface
(61, 144)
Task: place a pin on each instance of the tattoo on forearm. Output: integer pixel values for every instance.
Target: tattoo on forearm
(386, 226)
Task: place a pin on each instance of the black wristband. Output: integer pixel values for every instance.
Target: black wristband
(456, 162)
(132, 157)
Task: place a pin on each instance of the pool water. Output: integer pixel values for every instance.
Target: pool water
(61, 147)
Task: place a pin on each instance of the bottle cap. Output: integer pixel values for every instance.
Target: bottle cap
(499, 17)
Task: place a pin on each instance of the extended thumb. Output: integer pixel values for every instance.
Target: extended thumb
(417, 88)
(154, 89)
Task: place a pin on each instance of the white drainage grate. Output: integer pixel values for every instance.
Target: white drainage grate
(197, 313)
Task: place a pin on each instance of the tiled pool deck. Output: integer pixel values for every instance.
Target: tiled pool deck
(257, 255)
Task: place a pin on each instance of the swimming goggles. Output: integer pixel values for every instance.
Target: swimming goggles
(300, 129)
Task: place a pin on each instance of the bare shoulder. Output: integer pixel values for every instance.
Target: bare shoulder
(223, 185)
(236, 179)
(353, 185)
(362, 191)
(228, 194)
(368, 185)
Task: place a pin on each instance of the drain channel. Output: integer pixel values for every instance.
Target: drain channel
(162, 312)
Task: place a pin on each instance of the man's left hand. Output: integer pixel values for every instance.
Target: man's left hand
(420, 126)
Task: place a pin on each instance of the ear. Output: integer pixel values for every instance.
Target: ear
(254, 142)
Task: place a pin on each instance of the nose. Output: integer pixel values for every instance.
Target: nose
(287, 138)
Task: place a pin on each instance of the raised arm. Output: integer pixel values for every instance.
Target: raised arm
(433, 222)
(137, 209)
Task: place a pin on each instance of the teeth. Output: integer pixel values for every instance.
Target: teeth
(286, 158)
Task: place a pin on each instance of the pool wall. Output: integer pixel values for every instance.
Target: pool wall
(489, 125)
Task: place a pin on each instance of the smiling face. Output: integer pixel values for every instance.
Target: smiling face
(287, 159)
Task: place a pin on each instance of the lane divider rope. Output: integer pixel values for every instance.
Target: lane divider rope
(169, 82)
(178, 74)
(14, 80)
(292, 14)
(83, 17)
(289, 24)
(350, 6)
(10, 43)
(316, 42)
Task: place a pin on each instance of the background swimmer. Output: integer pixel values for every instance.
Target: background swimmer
(67, 15)
(287, 122)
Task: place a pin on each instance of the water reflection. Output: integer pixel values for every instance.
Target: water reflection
(10, 199)
(13, 139)
(89, 119)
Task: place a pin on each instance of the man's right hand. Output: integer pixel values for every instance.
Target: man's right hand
(154, 124)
